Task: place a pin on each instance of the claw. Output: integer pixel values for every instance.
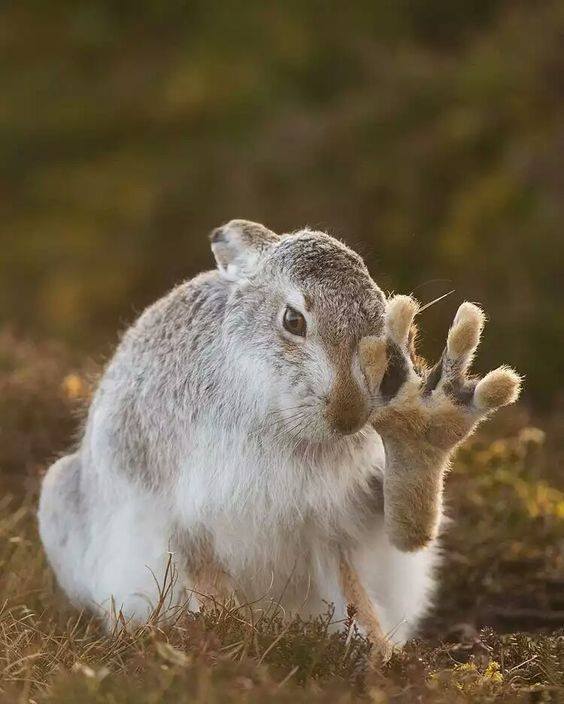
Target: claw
(373, 360)
(399, 316)
(499, 387)
(464, 335)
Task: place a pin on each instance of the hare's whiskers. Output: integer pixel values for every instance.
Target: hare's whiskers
(282, 422)
(292, 425)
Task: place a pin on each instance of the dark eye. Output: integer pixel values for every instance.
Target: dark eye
(294, 322)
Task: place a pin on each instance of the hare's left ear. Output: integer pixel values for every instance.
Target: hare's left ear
(238, 245)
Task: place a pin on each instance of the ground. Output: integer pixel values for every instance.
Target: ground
(495, 635)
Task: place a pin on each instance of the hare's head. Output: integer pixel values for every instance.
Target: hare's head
(302, 307)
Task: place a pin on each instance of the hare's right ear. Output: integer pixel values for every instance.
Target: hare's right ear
(238, 245)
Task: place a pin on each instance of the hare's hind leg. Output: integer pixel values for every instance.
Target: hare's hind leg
(62, 526)
(134, 571)
(108, 545)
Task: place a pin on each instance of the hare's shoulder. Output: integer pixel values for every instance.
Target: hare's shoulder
(200, 300)
(183, 321)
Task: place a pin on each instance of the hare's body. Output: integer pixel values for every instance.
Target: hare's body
(165, 464)
(241, 427)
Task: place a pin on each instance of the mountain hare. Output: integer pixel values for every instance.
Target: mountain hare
(269, 425)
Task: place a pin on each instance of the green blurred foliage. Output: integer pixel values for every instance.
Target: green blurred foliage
(428, 134)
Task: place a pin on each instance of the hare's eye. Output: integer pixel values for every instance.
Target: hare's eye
(294, 322)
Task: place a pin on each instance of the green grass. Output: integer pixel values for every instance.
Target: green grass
(495, 635)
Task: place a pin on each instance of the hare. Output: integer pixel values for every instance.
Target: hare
(268, 424)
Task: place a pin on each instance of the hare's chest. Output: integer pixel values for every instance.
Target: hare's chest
(232, 471)
(254, 499)
(274, 523)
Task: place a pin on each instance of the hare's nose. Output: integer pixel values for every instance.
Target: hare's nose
(347, 410)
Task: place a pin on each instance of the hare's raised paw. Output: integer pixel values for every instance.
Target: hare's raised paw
(422, 415)
(443, 404)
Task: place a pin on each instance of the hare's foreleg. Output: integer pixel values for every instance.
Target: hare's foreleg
(208, 580)
(364, 610)
(426, 415)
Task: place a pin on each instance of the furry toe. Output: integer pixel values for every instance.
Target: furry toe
(499, 387)
(399, 317)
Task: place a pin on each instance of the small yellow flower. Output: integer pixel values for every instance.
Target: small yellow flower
(493, 673)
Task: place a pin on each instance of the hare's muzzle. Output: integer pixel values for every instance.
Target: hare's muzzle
(347, 409)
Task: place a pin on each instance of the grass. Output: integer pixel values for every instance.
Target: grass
(496, 634)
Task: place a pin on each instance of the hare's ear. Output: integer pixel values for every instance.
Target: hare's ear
(237, 246)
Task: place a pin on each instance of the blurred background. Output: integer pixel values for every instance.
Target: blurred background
(427, 134)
